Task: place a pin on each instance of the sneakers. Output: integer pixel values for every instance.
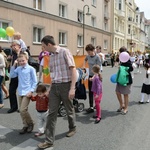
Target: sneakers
(23, 130)
(71, 132)
(44, 145)
(30, 128)
(38, 134)
(141, 102)
(90, 110)
(1, 106)
(97, 120)
(95, 117)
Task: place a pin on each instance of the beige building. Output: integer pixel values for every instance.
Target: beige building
(130, 26)
(126, 25)
(73, 23)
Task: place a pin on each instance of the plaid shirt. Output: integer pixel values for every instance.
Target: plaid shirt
(60, 63)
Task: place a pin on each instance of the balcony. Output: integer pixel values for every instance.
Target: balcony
(121, 13)
(107, 1)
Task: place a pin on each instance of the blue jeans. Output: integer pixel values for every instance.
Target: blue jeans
(1, 94)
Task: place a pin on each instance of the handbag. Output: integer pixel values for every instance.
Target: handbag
(6, 77)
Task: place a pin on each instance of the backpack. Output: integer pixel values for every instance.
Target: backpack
(122, 76)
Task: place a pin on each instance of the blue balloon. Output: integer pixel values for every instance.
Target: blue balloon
(113, 78)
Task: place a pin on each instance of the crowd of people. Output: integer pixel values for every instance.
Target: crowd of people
(64, 76)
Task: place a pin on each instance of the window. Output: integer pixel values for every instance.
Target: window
(62, 10)
(4, 25)
(80, 40)
(93, 21)
(137, 18)
(105, 44)
(105, 26)
(37, 4)
(93, 41)
(94, 2)
(129, 29)
(62, 38)
(80, 16)
(120, 7)
(37, 34)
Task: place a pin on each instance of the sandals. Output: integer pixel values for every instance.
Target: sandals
(124, 112)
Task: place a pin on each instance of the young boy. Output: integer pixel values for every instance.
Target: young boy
(41, 107)
(17, 36)
(26, 86)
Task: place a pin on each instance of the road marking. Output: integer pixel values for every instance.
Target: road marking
(4, 131)
(29, 144)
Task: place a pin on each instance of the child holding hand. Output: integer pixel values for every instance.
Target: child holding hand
(26, 86)
(41, 107)
(97, 91)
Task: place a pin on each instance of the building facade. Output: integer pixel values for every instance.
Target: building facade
(131, 28)
(74, 24)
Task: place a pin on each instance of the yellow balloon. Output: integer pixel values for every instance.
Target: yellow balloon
(10, 31)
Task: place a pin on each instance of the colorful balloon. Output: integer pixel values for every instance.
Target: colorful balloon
(10, 31)
(113, 78)
(124, 57)
(2, 33)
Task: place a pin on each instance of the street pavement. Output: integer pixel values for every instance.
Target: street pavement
(114, 132)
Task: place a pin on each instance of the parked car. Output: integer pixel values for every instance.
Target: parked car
(107, 60)
(34, 63)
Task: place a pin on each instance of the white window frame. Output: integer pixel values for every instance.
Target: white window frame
(37, 4)
(105, 26)
(62, 38)
(93, 41)
(63, 10)
(80, 40)
(36, 30)
(105, 44)
(80, 16)
(93, 21)
(94, 3)
(120, 5)
(1, 26)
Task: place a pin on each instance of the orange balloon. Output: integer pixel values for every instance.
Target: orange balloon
(10, 31)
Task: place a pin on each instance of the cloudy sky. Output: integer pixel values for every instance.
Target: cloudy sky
(144, 6)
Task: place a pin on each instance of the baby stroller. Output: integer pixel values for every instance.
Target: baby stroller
(80, 93)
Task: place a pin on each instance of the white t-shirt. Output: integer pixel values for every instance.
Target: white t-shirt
(147, 80)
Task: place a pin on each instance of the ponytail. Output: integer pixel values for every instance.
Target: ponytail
(100, 76)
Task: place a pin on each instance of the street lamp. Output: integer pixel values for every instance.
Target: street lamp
(88, 13)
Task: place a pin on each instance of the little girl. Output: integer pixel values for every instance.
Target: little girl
(41, 107)
(97, 91)
(146, 85)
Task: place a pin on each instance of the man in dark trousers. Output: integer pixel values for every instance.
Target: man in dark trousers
(16, 48)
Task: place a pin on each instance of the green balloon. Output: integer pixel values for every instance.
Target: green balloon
(2, 33)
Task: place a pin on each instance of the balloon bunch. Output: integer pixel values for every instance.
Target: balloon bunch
(9, 32)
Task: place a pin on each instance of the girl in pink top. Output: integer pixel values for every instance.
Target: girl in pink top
(97, 91)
